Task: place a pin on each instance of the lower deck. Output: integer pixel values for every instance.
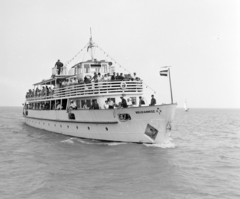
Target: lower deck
(142, 124)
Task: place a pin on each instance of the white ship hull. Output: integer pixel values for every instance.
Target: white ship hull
(148, 124)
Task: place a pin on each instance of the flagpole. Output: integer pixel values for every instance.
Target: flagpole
(91, 43)
(170, 85)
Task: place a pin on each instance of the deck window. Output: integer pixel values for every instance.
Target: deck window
(134, 100)
(88, 103)
(113, 99)
(86, 68)
(78, 104)
(82, 103)
(104, 68)
(98, 69)
(64, 104)
(79, 69)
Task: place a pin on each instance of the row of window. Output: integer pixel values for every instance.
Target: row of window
(88, 69)
(59, 125)
(80, 103)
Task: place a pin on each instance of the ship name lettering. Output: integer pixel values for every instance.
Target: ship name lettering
(149, 111)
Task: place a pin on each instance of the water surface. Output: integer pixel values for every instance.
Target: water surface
(202, 161)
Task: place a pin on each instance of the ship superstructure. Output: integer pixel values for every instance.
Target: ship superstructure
(48, 105)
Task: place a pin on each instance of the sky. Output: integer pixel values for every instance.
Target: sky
(199, 39)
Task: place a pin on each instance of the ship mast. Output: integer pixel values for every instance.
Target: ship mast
(91, 45)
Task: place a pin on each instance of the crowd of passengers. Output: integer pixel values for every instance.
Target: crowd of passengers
(97, 77)
(109, 104)
(45, 91)
(48, 91)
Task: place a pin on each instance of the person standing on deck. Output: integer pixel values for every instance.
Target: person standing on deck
(134, 76)
(95, 77)
(84, 105)
(118, 77)
(153, 101)
(105, 78)
(110, 104)
(129, 102)
(124, 103)
(59, 66)
(94, 105)
(73, 105)
(113, 77)
(108, 77)
(58, 106)
(121, 78)
(106, 106)
(141, 101)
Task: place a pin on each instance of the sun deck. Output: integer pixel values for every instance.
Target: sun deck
(91, 89)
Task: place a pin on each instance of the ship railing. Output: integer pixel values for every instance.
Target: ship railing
(94, 88)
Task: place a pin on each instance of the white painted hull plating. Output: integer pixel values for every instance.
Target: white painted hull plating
(106, 125)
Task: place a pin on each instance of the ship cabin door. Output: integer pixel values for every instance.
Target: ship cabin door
(105, 68)
(86, 70)
(80, 72)
(96, 67)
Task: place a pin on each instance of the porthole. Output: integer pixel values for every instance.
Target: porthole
(68, 126)
(88, 128)
(61, 126)
(106, 129)
(76, 127)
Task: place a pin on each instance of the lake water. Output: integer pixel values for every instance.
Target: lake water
(202, 161)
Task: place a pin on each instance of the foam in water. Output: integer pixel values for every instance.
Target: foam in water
(69, 141)
(116, 143)
(167, 144)
(96, 142)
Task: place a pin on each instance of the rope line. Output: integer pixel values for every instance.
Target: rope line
(113, 60)
(123, 67)
(75, 55)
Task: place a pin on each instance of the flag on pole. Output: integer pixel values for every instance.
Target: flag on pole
(164, 73)
(90, 46)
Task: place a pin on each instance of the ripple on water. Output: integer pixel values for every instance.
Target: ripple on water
(202, 161)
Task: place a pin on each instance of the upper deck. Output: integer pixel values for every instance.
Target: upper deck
(103, 88)
(85, 79)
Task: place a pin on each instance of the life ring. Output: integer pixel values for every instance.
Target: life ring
(89, 77)
(123, 85)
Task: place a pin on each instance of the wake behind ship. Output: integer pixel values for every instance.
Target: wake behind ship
(93, 101)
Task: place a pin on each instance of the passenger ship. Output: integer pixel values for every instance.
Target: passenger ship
(139, 124)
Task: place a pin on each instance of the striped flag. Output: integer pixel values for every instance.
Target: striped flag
(164, 73)
(90, 46)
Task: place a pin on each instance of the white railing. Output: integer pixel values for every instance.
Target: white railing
(112, 87)
(62, 72)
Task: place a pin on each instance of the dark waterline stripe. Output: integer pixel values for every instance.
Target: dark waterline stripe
(72, 121)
